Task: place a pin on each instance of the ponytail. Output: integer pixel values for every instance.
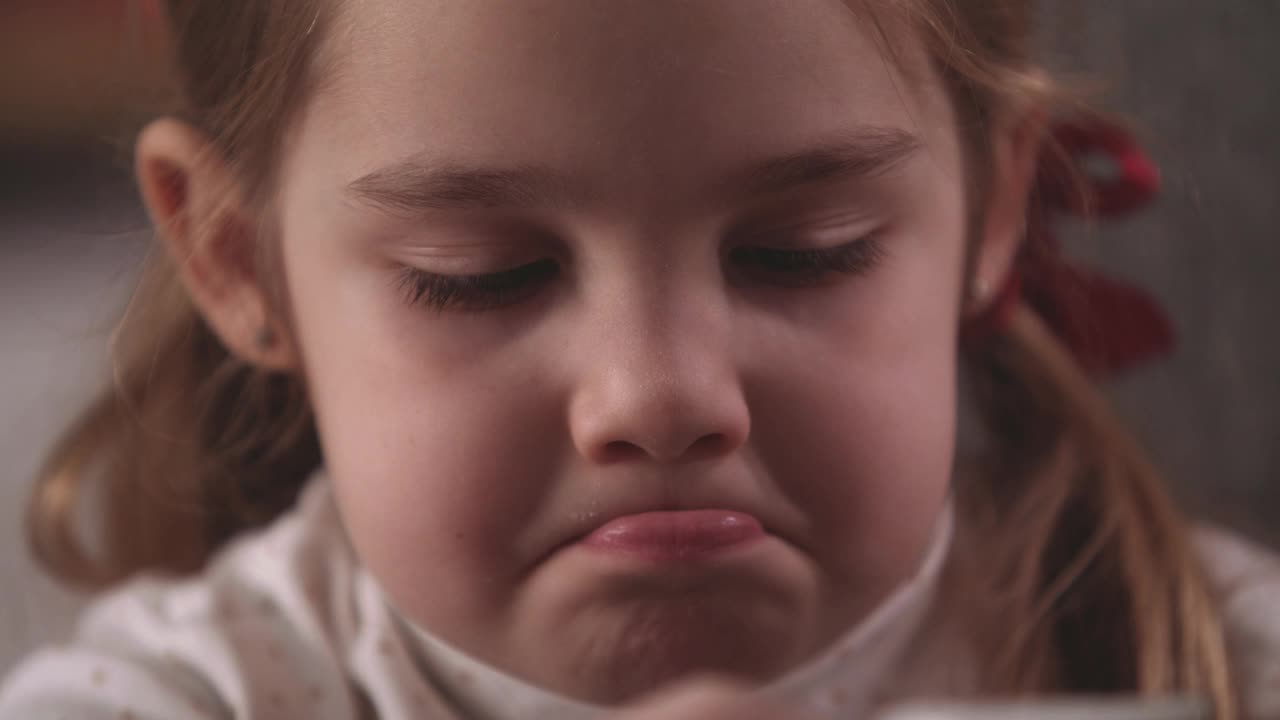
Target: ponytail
(186, 448)
(1081, 543)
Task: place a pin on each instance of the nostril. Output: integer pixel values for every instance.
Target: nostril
(619, 451)
(707, 446)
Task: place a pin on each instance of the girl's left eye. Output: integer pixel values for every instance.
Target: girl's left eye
(810, 266)
(475, 293)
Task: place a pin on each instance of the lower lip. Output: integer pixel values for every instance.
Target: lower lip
(676, 536)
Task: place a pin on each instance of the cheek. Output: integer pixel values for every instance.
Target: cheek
(870, 461)
(855, 415)
(433, 460)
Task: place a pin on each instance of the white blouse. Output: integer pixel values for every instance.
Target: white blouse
(286, 624)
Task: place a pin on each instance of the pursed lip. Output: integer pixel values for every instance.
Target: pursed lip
(675, 535)
(736, 509)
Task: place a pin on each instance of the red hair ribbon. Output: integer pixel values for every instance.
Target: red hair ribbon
(1096, 169)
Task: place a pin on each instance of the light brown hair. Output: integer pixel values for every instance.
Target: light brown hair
(1084, 554)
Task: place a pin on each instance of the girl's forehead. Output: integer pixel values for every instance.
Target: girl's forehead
(601, 86)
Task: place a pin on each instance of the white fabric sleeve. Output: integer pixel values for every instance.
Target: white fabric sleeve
(1246, 579)
(151, 651)
(261, 633)
(118, 667)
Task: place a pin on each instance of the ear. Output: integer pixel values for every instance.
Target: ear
(198, 211)
(1015, 154)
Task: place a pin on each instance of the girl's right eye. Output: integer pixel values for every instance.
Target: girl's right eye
(475, 293)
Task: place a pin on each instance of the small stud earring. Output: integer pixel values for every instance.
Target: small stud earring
(978, 291)
(265, 338)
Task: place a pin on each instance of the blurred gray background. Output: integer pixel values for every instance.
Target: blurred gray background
(1196, 76)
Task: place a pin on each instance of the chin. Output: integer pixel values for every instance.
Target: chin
(614, 653)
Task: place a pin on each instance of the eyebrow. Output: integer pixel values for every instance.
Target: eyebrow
(416, 185)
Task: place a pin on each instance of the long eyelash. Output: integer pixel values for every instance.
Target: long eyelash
(473, 292)
(812, 264)
(494, 290)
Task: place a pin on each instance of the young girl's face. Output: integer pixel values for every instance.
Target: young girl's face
(553, 266)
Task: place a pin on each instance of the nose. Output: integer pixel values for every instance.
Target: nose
(663, 389)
